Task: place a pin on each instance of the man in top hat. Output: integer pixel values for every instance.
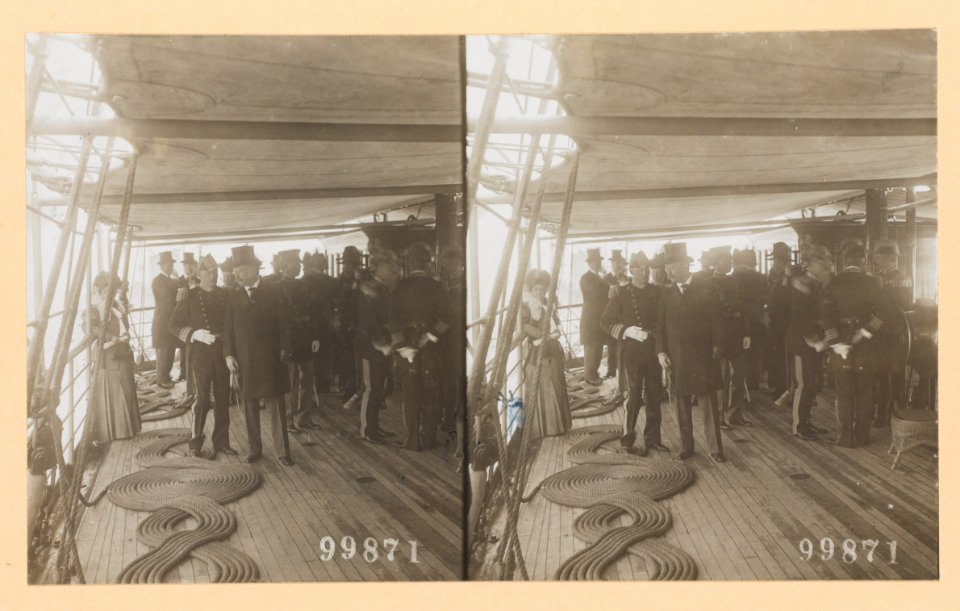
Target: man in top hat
(806, 337)
(690, 343)
(453, 343)
(898, 290)
(616, 278)
(257, 346)
(164, 286)
(737, 338)
(658, 272)
(778, 314)
(853, 313)
(345, 311)
(190, 268)
(304, 342)
(277, 266)
(372, 342)
(631, 318)
(323, 291)
(594, 289)
(198, 321)
(753, 292)
(418, 322)
(226, 270)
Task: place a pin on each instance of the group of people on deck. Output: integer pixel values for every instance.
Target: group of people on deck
(284, 341)
(706, 338)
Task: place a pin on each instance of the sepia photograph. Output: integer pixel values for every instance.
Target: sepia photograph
(702, 306)
(245, 308)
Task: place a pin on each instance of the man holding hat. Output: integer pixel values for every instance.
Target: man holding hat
(690, 342)
(778, 312)
(322, 289)
(164, 286)
(257, 346)
(304, 341)
(737, 339)
(631, 318)
(595, 290)
(806, 338)
(418, 321)
(753, 292)
(853, 314)
(373, 343)
(898, 290)
(198, 321)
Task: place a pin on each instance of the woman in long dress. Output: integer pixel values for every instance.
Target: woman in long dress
(114, 411)
(551, 414)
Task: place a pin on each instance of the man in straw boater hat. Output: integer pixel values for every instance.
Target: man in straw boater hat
(778, 313)
(898, 289)
(164, 286)
(631, 318)
(806, 338)
(753, 293)
(372, 342)
(198, 321)
(418, 321)
(594, 290)
(322, 289)
(256, 346)
(304, 342)
(854, 309)
(737, 339)
(690, 343)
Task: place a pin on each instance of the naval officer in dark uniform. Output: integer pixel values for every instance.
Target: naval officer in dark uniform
(257, 346)
(690, 343)
(304, 342)
(418, 312)
(372, 342)
(631, 318)
(806, 337)
(198, 321)
(853, 315)
(898, 290)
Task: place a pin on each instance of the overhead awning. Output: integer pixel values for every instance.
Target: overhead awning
(278, 133)
(787, 111)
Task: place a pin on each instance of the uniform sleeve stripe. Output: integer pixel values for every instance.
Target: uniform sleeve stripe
(441, 327)
(617, 330)
(875, 323)
(185, 334)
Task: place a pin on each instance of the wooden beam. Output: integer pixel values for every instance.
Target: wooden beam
(284, 232)
(733, 190)
(132, 129)
(277, 194)
(575, 126)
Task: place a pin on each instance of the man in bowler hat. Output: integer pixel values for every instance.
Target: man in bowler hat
(256, 346)
(690, 342)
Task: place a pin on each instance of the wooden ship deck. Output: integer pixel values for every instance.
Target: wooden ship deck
(340, 486)
(744, 519)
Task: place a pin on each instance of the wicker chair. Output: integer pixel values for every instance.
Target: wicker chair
(911, 428)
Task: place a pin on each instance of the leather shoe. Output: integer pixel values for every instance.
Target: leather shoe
(293, 429)
(167, 385)
(593, 381)
(718, 457)
(724, 426)
(252, 458)
(806, 435)
(817, 430)
(659, 446)
(685, 454)
(371, 439)
(228, 451)
(742, 421)
(286, 460)
(384, 433)
(637, 450)
(309, 425)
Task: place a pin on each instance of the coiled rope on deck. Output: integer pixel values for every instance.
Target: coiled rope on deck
(175, 489)
(611, 486)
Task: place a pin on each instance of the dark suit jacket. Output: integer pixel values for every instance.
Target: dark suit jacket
(165, 300)
(689, 330)
(256, 331)
(594, 290)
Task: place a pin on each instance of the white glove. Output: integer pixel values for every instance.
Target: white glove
(408, 353)
(315, 346)
(203, 336)
(664, 360)
(537, 342)
(636, 333)
(861, 334)
(433, 338)
(232, 364)
(842, 349)
(746, 343)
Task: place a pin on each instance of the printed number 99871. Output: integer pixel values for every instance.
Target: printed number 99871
(371, 549)
(848, 550)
